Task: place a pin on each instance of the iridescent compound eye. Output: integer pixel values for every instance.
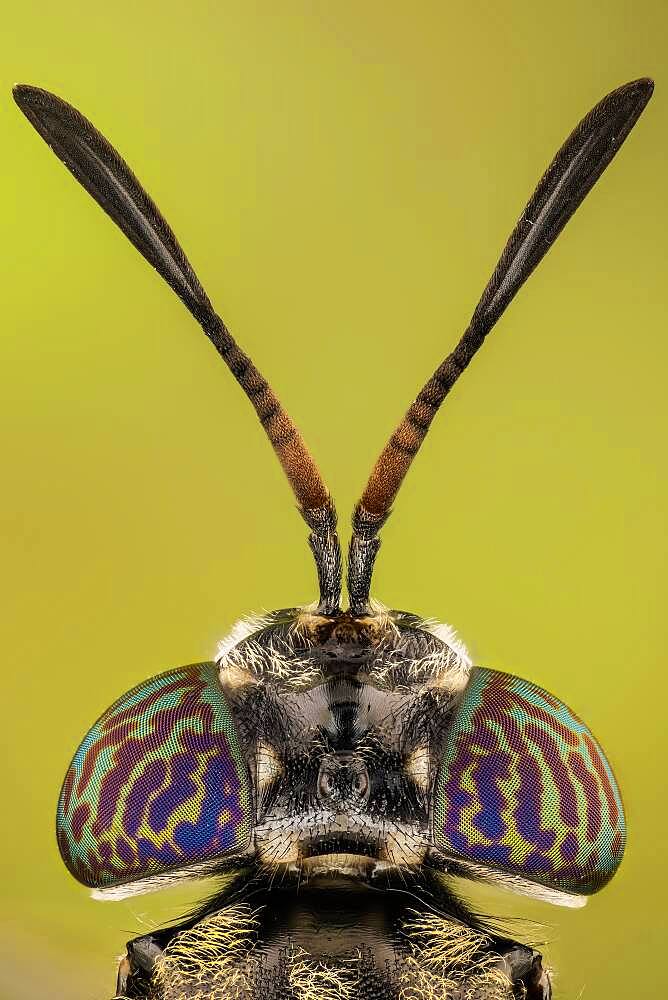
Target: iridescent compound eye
(525, 791)
(158, 784)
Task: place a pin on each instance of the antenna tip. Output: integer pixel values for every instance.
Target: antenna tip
(639, 91)
(646, 85)
(35, 103)
(24, 94)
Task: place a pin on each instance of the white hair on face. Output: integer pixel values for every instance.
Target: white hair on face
(240, 631)
(162, 880)
(455, 667)
(514, 883)
(267, 660)
(447, 634)
(450, 667)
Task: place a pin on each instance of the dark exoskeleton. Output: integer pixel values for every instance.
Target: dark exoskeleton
(335, 772)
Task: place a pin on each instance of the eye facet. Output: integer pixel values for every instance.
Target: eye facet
(524, 789)
(159, 783)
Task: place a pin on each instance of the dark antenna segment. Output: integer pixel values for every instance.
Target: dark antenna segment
(105, 175)
(572, 173)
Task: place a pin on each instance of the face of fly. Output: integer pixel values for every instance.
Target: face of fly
(342, 718)
(338, 718)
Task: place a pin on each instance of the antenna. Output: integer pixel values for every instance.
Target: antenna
(571, 175)
(105, 175)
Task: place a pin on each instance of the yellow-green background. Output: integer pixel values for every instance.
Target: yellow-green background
(343, 176)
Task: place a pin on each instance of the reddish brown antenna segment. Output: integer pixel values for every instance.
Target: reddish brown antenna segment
(108, 179)
(571, 175)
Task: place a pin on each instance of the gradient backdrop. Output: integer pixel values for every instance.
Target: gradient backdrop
(343, 177)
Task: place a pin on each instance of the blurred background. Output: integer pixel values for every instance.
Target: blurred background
(343, 177)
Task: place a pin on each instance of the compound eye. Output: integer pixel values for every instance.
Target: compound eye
(524, 791)
(158, 784)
